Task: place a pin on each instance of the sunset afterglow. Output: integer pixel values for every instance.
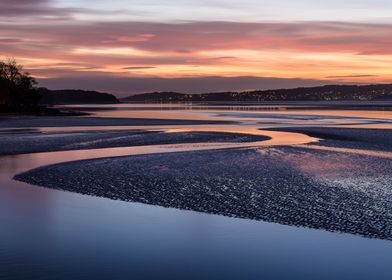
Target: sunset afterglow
(320, 42)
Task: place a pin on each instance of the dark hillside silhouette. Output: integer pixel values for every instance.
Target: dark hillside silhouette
(158, 97)
(323, 93)
(71, 96)
(19, 94)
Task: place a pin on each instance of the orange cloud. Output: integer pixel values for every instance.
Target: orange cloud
(353, 52)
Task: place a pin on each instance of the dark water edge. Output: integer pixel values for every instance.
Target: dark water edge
(59, 235)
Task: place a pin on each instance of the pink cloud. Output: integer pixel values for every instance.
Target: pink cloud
(161, 45)
(197, 36)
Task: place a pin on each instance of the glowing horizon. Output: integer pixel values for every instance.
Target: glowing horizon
(305, 40)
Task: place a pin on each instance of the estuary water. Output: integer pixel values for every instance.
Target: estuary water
(51, 234)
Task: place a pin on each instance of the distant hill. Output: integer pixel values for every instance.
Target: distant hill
(63, 97)
(384, 97)
(322, 93)
(156, 97)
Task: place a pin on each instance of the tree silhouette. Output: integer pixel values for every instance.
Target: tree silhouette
(17, 88)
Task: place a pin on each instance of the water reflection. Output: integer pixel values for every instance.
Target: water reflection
(20, 163)
(262, 116)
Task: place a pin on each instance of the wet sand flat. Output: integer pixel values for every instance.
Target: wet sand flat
(30, 122)
(35, 141)
(300, 186)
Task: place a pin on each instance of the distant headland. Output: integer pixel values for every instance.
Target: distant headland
(75, 96)
(322, 93)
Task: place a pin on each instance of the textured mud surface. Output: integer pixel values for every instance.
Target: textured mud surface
(295, 186)
(13, 122)
(30, 142)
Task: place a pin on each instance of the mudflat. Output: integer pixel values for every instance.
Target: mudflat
(314, 185)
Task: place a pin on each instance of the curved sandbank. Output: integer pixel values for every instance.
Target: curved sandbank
(29, 122)
(24, 162)
(36, 141)
(289, 185)
(284, 179)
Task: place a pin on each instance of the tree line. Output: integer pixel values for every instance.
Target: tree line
(18, 91)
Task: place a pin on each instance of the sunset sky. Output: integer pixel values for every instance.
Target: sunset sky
(134, 46)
